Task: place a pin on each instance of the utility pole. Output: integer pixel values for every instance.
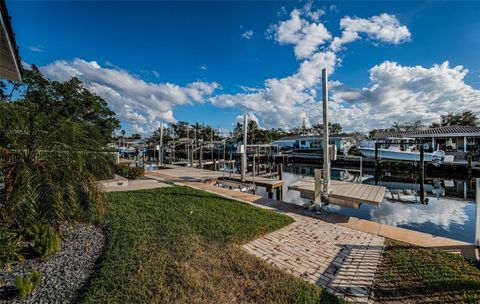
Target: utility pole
(326, 159)
(244, 152)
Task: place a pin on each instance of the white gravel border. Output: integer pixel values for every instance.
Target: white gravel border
(65, 272)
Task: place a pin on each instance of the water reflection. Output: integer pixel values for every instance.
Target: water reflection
(447, 213)
(442, 212)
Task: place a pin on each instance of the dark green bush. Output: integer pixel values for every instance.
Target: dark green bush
(28, 284)
(9, 246)
(129, 172)
(46, 240)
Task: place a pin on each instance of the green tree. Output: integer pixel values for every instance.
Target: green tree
(467, 118)
(408, 126)
(333, 128)
(51, 153)
(167, 135)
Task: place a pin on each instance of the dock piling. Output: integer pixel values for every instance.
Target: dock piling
(422, 175)
(317, 198)
(279, 190)
(477, 218)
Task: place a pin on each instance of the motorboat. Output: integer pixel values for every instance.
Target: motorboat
(402, 149)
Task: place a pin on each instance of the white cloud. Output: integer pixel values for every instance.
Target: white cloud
(248, 89)
(395, 92)
(36, 48)
(284, 102)
(156, 74)
(135, 101)
(333, 8)
(247, 34)
(305, 35)
(311, 12)
(403, 93)
(250, 116)
(282, 12)
(384, 28)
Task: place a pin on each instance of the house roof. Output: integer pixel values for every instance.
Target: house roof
(314, 137)
(433, 132)
(10, 64)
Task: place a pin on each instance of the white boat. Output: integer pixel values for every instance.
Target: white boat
(399, 149)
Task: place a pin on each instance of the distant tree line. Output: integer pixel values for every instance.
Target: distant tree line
(257, 135)
(183, 130)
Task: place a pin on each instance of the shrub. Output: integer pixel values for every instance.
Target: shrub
(46, 240)
(26, 285)
(129, 172)
(8, 247)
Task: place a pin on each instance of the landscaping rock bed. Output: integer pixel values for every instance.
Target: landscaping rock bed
(64, 273)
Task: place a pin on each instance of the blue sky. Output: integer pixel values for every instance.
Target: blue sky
(224, 46)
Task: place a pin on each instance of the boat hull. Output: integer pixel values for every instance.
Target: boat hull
(396, 155)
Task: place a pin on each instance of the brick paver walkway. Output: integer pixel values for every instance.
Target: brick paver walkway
(338, 258)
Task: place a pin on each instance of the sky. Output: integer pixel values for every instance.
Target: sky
(211, 62)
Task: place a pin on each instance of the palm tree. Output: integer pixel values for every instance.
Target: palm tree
(48, 167)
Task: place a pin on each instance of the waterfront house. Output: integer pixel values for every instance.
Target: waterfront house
(454, 140)
(314, 142)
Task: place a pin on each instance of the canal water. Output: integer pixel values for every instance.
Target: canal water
(450, 211)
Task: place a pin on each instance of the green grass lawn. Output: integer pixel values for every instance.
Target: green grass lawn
(410, 274)
(180, 245)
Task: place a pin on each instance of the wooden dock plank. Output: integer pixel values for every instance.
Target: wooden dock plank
(373, 194)
(367, 192)
(349, 191)
(341, 189)
(188, 173)
(380, 195)
(355, 192)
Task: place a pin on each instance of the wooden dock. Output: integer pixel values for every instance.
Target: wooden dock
(204, 163)
(340, 191)
(179, 173)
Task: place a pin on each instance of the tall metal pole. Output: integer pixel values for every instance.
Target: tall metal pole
(173, 154)
(244, 151)
(195, 143)
(244, 154)
(160, 147)
(422, 175)
(224, 159)
(188, 145)
(326, 159)
(211, 141)
(377, 163)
